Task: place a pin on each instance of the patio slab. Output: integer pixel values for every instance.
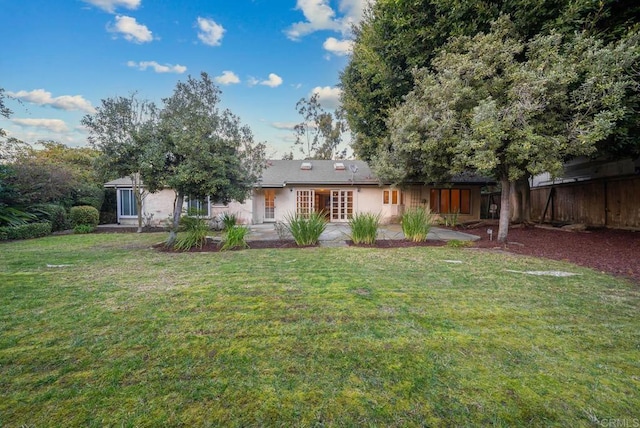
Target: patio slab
(340, 232)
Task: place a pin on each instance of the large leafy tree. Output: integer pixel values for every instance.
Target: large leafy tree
(320, 133)
(121, 129)
(200, 150)
(494, 104)
(55, 173)
(397, 36)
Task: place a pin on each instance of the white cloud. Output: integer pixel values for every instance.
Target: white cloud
(210, 32)
(55, 125)
(284, 125)
(320, 16)
(328, 97)
(273, 81)
(63, 102)
(338, 47)
(227, 78)
(111, 5)
(129, 28)
(158, 68)
(252, 81)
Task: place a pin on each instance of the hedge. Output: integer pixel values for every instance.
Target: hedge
(84, 215)
(26, 231)
(55, 214)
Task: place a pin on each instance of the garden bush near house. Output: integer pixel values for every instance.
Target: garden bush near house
(234, 238)
(25, 231)
(84, 215)
(53, 213)
(193, 234)
(416, 223)
(306, 228)
(364, 228)
(229, 220)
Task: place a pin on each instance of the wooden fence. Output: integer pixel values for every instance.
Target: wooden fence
(605, 202)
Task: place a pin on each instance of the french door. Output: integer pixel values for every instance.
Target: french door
(341, 205)
(269, 205)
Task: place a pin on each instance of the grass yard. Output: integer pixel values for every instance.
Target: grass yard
(127, 336)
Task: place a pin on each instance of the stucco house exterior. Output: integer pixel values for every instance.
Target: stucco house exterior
(338, 188)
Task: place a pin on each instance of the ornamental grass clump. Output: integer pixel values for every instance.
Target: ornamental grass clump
(194, 233)
(235, 238)
(229, 220)
(306, 228)
(416, 223)
(364, 228)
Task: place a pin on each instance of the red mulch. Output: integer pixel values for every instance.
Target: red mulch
(607, 250)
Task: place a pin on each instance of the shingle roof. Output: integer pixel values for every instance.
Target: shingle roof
(280, 173)
(119, 182)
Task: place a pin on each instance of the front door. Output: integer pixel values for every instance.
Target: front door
(269, 205)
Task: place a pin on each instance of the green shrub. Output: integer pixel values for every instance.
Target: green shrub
(456, 243)
(194, 233)
(26, 231)
(84, 214)
(235, 238)
(10, 216)
(416, 223)
(83, 229)
(89, 195)
(306, 228)
(364, 228)
(53, 213)
(229, 220)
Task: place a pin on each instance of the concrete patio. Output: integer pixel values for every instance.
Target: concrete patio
(336, 234)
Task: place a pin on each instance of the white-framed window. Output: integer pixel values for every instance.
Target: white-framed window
(304, 201)
(128, 206)
(198, 207)
(392, 197)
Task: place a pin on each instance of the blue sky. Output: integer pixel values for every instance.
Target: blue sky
(60, 58)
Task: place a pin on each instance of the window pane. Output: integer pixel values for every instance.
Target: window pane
(385, 197)
(455, 201)
(127, 203)
(394, 197)
(465, 202)
(433, 201)
(445, 201)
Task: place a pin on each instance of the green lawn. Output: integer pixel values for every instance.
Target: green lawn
(127, 336)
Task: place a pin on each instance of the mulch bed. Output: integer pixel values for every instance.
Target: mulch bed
(607, 250)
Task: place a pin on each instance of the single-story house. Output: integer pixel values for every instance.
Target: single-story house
(339, 188)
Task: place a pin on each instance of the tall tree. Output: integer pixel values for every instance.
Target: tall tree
(200, 150)
(121, 129)
(319, 134)
(508, 108)
(397, 36)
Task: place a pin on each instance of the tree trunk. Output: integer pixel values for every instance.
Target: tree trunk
(177, 211)
(135, 184)
(520, 198)
(503, 228)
